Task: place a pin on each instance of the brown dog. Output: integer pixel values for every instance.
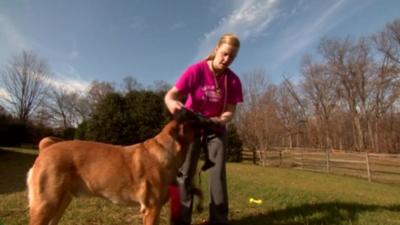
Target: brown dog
(125, 175)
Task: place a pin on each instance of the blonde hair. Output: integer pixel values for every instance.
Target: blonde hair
(228, 38)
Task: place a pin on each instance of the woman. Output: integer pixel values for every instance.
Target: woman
(213, 90)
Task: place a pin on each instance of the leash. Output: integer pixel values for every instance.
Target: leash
(205, 138)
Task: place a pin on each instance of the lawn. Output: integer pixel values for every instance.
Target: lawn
(289, 197)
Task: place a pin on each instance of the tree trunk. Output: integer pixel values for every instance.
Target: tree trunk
(290, 141)
(376, 138)
(371, 136)
(359, 141)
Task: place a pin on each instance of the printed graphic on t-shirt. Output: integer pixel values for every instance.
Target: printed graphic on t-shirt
(211, 94)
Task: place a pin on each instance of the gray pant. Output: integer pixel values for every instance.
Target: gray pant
(217, 181)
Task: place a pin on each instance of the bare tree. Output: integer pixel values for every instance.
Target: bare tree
(2, 110)
(24, 79)
(43, 116)
(62, 105)
(321, 89)
(130, 84)
(302, 109)
(388, 41)
(290, 113)
(98, 90)
(160, 86)
(252, 120)
(386, 84)
(83, 107)
(350, 64)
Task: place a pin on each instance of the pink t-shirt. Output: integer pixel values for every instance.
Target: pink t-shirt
(203, 96)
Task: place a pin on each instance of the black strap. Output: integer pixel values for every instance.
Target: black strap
(205, 138)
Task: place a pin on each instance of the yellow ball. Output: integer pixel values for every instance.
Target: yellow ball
(255, 201)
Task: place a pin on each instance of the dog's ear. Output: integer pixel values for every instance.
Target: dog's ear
(181, 130)
(196, 120)
(184, 115)
(187, 130)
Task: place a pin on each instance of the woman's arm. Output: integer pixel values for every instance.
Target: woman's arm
(172, 100)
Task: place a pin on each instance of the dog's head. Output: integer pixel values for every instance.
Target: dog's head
(197, 120)
(186, 125)
(181, 132)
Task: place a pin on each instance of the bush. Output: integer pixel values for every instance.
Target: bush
(127, 119)
(68, 133)
(12, 133)
(235, 144)
(37, 132)
(108, 122)
(80, 132)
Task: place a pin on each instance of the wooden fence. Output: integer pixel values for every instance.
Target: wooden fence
(383, 168)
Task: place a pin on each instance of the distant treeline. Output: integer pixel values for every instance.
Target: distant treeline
(117, 118)
(347, 97)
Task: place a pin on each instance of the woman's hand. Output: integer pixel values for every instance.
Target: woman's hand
(217, 121)
(225, 116)
(174, 106)
(172, 100)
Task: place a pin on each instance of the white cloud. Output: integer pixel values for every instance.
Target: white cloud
(70, 81)
(4, 93)
(59, 82)
(250, 19)
(70, 85)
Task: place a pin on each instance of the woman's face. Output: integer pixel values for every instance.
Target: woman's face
(224, 56)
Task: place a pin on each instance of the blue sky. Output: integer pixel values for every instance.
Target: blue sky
(150, 40)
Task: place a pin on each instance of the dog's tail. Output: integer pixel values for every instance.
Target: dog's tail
(47, 141)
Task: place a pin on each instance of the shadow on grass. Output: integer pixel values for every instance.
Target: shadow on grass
(13, 169)
(313, 214)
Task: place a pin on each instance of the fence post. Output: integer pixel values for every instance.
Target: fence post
(368, 167)
(328, 166)
(263, 157)
(302, 158)
(280, 158)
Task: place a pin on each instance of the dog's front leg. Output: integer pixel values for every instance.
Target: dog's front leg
(151, 215)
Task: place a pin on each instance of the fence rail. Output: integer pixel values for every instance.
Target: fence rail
(372, 166)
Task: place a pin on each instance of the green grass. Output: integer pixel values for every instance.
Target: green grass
(290, 197)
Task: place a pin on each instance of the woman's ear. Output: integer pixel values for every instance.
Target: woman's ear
(215, 50)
